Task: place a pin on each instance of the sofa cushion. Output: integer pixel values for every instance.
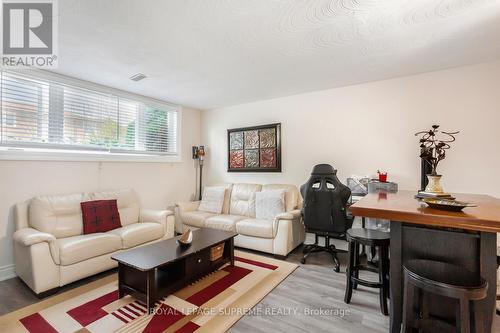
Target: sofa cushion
(243, 199)
(213, 199)
(100, 216)
(256, 228)
(128, 204)
(292, 196)
(223, 222)
(138, 233)
(79, 248)
(195, 218)
(59, 215)
(227, 197)
(269, 204)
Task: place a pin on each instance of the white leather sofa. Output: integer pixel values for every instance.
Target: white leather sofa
(50, 249)
(278, 236)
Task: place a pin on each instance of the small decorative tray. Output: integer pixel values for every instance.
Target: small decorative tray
(422, 196)
(447, 204)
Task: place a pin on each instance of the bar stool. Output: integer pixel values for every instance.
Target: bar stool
(440, 278)
(368, 237)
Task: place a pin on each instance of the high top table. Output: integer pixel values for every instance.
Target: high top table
(466, 238)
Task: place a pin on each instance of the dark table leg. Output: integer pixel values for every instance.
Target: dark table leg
(151, 290)
(231, 250)
(396, 278)
(488, 268)
(472, 250)
(121, 291)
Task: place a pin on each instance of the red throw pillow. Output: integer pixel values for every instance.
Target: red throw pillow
(100, 216)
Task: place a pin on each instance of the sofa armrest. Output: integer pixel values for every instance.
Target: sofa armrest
(290, 232)
(30, 236)
(187, 206)
(163, 217)
(290, 215)
(36, 259)
(154, 215)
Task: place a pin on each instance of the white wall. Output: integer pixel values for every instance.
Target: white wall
(159, 185)
(370, 126)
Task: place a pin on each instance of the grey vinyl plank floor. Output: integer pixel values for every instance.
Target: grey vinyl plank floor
(311, 299)
(14, 294)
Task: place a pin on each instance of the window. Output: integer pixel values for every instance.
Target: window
(41, 113)
(10, 119)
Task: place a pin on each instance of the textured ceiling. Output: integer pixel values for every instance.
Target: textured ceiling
(211, 53)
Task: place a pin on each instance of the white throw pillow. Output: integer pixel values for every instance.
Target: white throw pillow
(268, 204)
(212, 199)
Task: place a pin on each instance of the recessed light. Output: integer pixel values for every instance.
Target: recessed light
(138, 77)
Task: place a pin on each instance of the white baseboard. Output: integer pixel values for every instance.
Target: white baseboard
(7, 272)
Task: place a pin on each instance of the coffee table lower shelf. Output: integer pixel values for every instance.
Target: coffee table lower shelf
(152, 285)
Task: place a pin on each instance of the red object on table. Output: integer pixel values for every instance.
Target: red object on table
(382, 177)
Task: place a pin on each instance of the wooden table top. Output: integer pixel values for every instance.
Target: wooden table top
(150, 256)
(403, 207)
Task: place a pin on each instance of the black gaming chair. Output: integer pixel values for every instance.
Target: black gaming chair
(325, 210)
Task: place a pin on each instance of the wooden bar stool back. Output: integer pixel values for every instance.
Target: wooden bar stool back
(424, 277)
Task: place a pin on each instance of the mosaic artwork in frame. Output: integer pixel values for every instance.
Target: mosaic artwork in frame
(254, 149)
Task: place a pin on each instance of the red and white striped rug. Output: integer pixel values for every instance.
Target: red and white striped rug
(212, 304)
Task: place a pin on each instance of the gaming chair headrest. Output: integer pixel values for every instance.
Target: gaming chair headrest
(323, 169)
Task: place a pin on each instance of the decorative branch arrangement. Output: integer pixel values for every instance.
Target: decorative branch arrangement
(433, 149)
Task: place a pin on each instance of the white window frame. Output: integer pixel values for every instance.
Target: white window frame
(49, 154)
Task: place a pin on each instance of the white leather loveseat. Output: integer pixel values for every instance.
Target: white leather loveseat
(50, 249)
(278, 236)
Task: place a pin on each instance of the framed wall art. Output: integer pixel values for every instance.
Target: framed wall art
(254, 149)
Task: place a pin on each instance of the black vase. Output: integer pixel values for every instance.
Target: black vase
(425, 169)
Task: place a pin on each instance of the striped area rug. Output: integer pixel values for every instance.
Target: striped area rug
(211, 304)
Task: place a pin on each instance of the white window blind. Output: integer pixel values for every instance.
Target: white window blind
(41, 113)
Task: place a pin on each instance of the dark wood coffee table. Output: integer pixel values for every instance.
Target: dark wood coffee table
(154, 271)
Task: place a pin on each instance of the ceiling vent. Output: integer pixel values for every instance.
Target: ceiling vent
(138, 77)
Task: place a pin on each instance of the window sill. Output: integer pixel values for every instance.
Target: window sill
(10, 154)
